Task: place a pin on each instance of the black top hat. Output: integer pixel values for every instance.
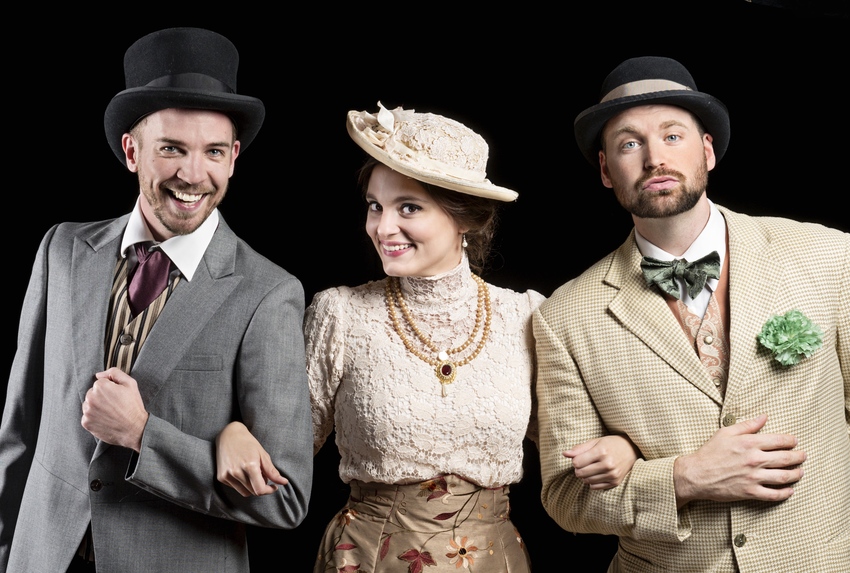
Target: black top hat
(644, 81)
(181, 68)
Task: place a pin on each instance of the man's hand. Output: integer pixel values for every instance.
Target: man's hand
(737, 463)
(243, 464)
(113, 410)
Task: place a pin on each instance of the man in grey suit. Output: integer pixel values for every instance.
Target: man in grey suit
(107, 443)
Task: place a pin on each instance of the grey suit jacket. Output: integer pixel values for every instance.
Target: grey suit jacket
(228, 345)
(612, 358)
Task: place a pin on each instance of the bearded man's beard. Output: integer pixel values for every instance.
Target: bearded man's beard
(667, 203)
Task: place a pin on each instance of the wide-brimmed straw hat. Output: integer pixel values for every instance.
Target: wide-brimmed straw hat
(181, 68)
(650, 80)
(427, 147)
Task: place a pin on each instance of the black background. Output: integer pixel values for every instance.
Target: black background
(518, 75)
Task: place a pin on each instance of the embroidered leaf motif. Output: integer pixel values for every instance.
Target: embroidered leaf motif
(349, 569)
(444, 516)
(434, 488)
(345, 546)
(385, 546)
(417, 560)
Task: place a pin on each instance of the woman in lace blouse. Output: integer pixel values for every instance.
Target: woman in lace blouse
(426, 376)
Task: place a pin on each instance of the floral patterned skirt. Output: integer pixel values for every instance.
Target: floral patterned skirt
(439, 525)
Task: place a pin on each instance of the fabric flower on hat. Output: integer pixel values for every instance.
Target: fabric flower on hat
(791, 337)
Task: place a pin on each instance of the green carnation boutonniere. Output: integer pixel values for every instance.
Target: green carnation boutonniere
(791, 337)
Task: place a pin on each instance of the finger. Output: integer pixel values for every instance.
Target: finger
(751, 426)
(780, 458)
(251, 476)
(238, 486)
(258, 483)
(594, 461)
(109, 373)
(581, 448)
(272, 474)
(596, 472)
(783, 477)
(774, 493)
(116, 375)
(775, 442)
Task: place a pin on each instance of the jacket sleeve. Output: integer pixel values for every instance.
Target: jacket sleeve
(22, 412)
(270, 387)
(642, 507)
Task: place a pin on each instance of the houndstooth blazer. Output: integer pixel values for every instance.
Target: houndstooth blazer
(612, 358)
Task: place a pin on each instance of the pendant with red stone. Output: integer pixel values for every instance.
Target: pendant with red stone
(445, 370)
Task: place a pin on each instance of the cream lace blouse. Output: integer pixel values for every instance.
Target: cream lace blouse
(392, 423)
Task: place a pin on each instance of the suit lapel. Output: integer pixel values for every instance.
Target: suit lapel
(644, 312)
(187, 311)
(92, 268)
(754, 281)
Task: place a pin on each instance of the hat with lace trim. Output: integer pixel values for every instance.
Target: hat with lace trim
(429, 148)
(650, 80)
(188, 68)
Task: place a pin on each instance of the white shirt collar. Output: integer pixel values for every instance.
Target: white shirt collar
(185, 251)
(712, 238)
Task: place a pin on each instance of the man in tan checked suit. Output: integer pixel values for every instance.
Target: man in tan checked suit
(745, 453)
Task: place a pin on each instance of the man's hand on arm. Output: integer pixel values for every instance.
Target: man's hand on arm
(113, 410)
(737, 463)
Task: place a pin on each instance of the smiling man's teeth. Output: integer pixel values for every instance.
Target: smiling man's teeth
(396, 247)
(187, 197)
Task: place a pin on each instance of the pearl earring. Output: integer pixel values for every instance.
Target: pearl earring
(464, 244)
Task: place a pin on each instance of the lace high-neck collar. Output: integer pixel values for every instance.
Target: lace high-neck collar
(446, 289)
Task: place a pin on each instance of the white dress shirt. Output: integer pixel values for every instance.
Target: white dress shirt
(712, 238)
(185, 251)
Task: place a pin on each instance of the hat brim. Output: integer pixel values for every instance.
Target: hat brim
(129, 106)
(484, 189)
(710, 111)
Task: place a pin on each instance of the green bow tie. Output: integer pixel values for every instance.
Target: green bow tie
(665, 273)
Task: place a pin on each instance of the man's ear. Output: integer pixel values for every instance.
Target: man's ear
(603, 171)
(234, 153)
(708, 145)
(131, 151)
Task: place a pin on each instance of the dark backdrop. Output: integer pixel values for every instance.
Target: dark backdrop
(518, 75)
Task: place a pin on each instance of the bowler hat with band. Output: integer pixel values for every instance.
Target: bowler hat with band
(649, 80)
(188, 68)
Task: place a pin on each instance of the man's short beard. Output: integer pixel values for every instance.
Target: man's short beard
(678, 200)
(177, 223)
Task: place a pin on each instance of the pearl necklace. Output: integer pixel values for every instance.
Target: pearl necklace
(444, 368)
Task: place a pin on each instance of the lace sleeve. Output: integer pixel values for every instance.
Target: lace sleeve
(534, 300)
(325, 347)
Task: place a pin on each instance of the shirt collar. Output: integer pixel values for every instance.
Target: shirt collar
(185, 251)
(712, 238)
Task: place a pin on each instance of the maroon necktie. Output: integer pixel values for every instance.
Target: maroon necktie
(148, 279)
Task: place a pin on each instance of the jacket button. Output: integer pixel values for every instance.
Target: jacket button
(740, 540)
(709, 340)
(126, 339)
(728, 420)
(96, 485)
